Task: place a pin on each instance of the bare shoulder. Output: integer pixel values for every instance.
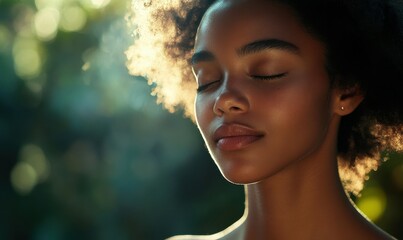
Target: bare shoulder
(233, 232)
(192, 237)
(218, 236)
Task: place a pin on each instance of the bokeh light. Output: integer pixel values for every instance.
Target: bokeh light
(23, 178)
(23, 20)
(35, 157)
(40, 4)
(372, 203)
(73, 18)
(31, 169)
(86, 153)
(46, 23)
(5, 38)
(27, 58)
(99, 3)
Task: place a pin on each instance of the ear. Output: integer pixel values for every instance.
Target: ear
(347, 99)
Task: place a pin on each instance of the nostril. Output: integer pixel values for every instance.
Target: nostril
(235, 109)
(230, 101)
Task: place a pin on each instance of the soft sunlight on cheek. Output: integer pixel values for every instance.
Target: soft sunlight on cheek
(144, 56)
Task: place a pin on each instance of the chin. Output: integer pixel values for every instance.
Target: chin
(241, 176)
(248, 173)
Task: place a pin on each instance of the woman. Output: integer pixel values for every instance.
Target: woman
(284, 90)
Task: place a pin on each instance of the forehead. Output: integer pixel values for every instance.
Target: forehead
(233, 23)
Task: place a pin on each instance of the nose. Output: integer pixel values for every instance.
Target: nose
(231, 100)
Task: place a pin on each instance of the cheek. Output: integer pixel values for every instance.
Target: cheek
(297, 113)
(203, 113)
(309, 118)
(309, 97)
(198, 112)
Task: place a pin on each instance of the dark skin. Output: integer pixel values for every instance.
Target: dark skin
(270, 118)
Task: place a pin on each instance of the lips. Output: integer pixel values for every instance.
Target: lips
(232, 137)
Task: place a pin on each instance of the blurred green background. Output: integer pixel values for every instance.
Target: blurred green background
(86, 153)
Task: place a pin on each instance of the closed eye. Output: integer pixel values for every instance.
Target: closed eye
(203, 87)
(269, 77)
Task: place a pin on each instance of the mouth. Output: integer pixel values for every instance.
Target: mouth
(233, 137)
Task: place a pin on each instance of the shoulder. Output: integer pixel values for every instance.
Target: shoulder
(235, 231)
(194, 237)
(223, 235)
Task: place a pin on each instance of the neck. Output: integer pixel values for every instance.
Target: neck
(291, 208)
(301, 201)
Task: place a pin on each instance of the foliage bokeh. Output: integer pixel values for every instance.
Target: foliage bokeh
(85, 151)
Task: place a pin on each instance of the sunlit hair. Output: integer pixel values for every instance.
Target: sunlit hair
(364, 44)
(155, 54)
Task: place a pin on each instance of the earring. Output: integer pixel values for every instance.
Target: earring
(342, 108)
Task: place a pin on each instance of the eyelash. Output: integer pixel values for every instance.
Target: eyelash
(269, 77)
(205, 86)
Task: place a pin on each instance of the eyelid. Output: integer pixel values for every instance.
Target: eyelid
(270, 77)
(207, 76)
(203, 87)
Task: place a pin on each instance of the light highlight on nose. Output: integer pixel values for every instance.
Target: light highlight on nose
(231, 100)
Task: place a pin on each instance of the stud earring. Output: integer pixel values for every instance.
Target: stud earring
(342, 108)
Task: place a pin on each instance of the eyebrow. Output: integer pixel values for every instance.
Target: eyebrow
(250, 48)
(266, 44)
(202, 56)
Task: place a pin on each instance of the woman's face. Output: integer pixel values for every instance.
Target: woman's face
(264, 98)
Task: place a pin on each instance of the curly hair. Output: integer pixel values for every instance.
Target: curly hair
(364, 45)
